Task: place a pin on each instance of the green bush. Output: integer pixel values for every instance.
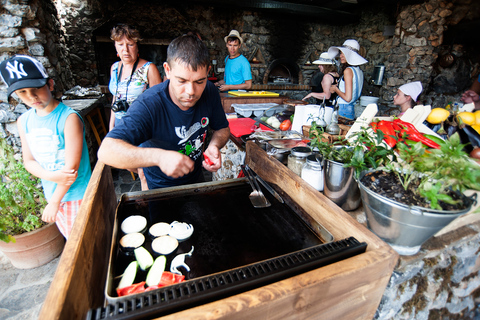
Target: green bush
(21, 196)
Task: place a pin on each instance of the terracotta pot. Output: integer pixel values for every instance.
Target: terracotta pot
(35, 248)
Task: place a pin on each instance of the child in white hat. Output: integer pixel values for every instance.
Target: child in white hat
(407, 96)
(327, 66)
(350, 85)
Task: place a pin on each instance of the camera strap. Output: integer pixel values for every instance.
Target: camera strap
(130, 79)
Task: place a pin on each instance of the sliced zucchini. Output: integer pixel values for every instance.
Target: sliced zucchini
(128, 275)
(155, 273)
(144, 258)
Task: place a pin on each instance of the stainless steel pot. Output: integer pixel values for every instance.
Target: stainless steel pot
(340, 186)
(404, 227)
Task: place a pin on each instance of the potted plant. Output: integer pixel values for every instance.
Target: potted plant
(345, 158)
(412, 197)
(21, 205)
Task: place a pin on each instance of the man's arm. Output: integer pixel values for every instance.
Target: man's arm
(219, 139)
(121, 154)
(243, 86)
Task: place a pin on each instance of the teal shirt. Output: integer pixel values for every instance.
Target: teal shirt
(237, 70)
(46, 140)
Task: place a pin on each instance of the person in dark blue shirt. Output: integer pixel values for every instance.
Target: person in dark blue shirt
(164, 131)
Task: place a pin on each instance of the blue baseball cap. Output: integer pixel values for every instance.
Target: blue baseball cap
(22, 71)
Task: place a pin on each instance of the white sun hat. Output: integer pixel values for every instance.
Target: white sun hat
(324, 59)
(236, 34)
(350, 49)
(412, 89)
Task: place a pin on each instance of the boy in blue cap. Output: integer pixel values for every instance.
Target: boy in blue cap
(53, 140)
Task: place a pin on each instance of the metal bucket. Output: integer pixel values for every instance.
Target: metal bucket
(340, 186)
(403, 227)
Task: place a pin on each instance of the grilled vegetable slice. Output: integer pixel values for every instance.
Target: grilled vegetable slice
(144, 258)
(128, 275)
(156, 271)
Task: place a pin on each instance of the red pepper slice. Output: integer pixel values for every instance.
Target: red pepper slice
(134, 288)
(169, 278)
(207, 160)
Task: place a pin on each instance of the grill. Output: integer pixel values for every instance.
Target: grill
(209, 288)
(237, 247)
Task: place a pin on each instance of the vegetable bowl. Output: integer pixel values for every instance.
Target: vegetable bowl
(273, 117)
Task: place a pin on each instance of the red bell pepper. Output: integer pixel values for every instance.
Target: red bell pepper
(390, 136)
(410, 132)
(207, 160)
(134, 288)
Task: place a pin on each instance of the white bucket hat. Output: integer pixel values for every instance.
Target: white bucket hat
(350, 49)
(236, 34)
(412, 89)
(324, 59)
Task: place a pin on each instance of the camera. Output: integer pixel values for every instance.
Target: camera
(120, 105)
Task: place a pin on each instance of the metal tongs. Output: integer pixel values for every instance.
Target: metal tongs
(257, 198)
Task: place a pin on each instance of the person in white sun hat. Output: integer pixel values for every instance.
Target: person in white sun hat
(407, 96)
(327, 66)
(350, 85)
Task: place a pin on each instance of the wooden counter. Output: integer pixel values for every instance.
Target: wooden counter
(228, 100)
(348, 289)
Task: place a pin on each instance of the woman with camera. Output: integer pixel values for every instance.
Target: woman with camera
(130, 76)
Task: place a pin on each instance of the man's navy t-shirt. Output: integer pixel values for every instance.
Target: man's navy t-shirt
(153, 120)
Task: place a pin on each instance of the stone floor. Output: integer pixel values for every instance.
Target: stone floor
(22, 292)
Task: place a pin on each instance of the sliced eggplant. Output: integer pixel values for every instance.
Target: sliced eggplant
(133, 224)
(164, 245)
(128, 275)
(159, 229)
(131, 241)
(144, 258)
(155, 273)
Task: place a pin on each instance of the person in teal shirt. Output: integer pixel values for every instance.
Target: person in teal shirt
(53, 140)
(238, 75)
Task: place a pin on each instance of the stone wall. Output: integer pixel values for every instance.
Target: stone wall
(441, 282)
(31, 27)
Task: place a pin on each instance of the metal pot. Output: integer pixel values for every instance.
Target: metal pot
(340, 185)
(404, 227)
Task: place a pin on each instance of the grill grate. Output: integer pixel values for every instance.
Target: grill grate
(218, 286)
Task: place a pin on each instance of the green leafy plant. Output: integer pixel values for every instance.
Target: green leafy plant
(435, 173)
(21, 196)
(362, 151)
(441, 170)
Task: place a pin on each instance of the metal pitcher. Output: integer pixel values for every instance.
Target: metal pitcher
(340, 186)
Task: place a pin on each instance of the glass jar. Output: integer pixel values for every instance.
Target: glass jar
(312, 171)
(297, 158)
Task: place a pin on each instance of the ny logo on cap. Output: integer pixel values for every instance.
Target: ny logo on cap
(14, 69)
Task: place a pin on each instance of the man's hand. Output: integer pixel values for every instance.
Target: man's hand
(224, 87)
(174, 164)
(213, 159)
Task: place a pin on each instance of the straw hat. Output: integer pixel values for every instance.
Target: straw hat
(350, 49)
(324, 59)
(412, 89)
(236, 34)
